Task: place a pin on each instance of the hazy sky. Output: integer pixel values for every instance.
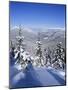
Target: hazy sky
(37, 15)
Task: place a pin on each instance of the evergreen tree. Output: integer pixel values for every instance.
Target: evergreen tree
(20, 49)
(48, 56)
(59, 55)
(39, 51)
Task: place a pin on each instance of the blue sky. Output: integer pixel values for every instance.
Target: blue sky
(37, 15)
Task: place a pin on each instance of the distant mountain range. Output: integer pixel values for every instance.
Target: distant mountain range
(49, 37)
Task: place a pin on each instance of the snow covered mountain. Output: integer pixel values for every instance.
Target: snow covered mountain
(49, 37)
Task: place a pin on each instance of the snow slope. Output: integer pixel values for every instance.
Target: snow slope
(35, 77)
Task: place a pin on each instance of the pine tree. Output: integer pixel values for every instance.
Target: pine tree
(20, 39)
(59, 55)
(20, 48)
(48, 56)
(39, 50)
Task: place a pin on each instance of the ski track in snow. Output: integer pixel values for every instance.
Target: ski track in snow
(57, 77)
(32, 77)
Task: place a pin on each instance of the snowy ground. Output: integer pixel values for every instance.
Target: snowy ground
(35, 76)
